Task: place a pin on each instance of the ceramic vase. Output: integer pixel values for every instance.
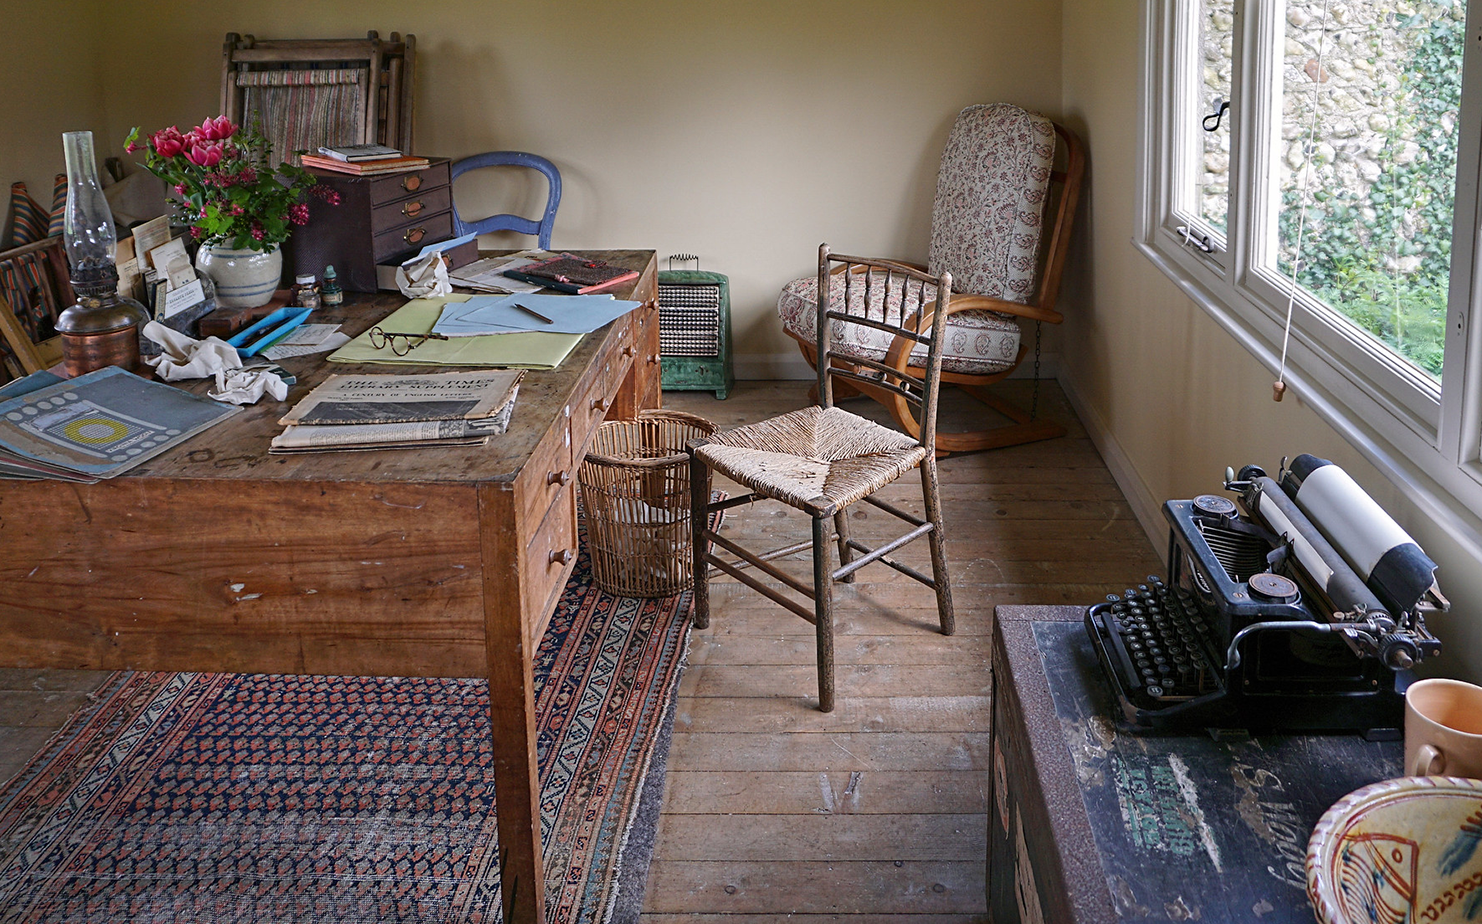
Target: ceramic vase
(244, 278)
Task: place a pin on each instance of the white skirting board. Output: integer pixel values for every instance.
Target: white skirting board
(790, 366)
(1147, 508)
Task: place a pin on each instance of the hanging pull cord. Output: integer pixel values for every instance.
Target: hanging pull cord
(1278, 388)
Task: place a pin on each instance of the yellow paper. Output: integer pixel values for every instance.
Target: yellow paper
(514, 351)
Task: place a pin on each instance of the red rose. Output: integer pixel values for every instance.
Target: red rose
(167, 142)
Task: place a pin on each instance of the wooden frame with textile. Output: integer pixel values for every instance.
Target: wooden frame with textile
(322, 91)
(35, 288)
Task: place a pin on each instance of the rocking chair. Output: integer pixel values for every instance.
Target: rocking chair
(996, 179)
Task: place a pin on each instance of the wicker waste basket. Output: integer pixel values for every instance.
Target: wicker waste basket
(635, 488)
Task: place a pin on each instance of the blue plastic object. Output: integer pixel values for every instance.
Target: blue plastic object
(508, 222)
(268, 331)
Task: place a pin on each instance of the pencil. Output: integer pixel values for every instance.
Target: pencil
(532, 312)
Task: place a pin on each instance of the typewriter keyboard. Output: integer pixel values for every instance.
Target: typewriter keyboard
(1162, 646)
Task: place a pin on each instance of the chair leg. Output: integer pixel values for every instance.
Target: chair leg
(932, 497)
(823, 613)
(846, 554)
(699, 521)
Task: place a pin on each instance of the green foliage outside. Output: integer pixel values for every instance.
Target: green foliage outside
(1384, 260)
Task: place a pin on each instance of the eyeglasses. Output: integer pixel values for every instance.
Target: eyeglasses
(401, 344)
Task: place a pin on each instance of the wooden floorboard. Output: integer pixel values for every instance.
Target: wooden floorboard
(774, 811)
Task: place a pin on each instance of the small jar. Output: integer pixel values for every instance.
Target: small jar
(331, 294)
(305, 291)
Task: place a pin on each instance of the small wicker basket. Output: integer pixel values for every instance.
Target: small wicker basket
(635, 486)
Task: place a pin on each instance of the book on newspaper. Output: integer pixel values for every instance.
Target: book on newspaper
(97, 425)
(570, 273)
(342, 400)
(351, 153)
(364, 168)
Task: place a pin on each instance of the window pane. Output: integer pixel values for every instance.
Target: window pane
(1202, 187)
(1384, 80)
(1212, 171)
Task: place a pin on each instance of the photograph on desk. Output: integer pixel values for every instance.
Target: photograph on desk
(400, 411)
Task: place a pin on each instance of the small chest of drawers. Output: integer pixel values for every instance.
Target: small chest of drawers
(379, 219)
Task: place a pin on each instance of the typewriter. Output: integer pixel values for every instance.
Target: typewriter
(1298, 605)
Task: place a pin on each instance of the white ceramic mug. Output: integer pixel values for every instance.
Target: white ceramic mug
(1443, 728)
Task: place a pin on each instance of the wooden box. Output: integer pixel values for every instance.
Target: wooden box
(379, 219)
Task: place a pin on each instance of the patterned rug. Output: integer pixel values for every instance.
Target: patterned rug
(273, 798)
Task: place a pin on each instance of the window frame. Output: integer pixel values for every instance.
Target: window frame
(1425, 437)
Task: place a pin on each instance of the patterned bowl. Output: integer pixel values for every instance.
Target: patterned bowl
(1405, 850)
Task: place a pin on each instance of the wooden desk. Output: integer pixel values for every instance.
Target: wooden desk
(435, 562)
(1087, 824)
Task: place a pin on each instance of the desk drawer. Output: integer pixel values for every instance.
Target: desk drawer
(549, 552)
(410, 210)
(401, 185)
(549, 472)
(410, 238)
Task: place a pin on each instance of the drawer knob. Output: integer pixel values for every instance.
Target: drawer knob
(653, 359)
(414, 235)
(628, 350)
(412, 209)
(412, 183)
(601, 404)
(560, 478)
(562, 557)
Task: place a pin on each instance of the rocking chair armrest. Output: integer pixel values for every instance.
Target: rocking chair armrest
(985, 303)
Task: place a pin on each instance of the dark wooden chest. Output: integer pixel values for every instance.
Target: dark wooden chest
(379, 219)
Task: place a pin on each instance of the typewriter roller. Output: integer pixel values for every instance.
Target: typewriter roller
(1298, 606)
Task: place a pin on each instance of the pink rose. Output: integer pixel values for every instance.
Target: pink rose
(167, 142)
(217, 129)
(204, 153)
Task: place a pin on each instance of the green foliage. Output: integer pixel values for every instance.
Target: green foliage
(1384, 260)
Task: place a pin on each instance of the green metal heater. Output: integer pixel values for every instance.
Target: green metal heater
(695, 328)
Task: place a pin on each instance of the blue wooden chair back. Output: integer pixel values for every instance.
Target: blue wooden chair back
(508, 222)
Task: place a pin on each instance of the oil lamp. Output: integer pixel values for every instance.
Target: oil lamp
(102, 329)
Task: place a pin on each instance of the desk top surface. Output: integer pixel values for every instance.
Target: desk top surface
(238, 447)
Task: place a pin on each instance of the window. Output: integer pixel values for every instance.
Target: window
(1317, 160)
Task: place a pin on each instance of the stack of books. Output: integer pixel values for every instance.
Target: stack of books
(95, 426)
(573, 274)
(348, 412)
(363, 160)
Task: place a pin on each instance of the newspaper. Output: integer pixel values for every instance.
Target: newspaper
(394, 435)
(382, 399)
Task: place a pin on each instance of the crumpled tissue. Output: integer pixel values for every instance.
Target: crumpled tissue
(185, 357)
(424, 277)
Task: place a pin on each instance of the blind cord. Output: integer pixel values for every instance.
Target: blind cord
(1278, 388)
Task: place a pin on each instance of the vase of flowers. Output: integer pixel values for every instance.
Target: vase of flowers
(240, 205)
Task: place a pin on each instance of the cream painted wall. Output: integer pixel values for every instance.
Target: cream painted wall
(1172, 397)
(52, 79)
(745, 131)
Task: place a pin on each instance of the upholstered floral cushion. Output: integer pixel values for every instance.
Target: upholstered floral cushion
(978, 342)
(991, 190)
